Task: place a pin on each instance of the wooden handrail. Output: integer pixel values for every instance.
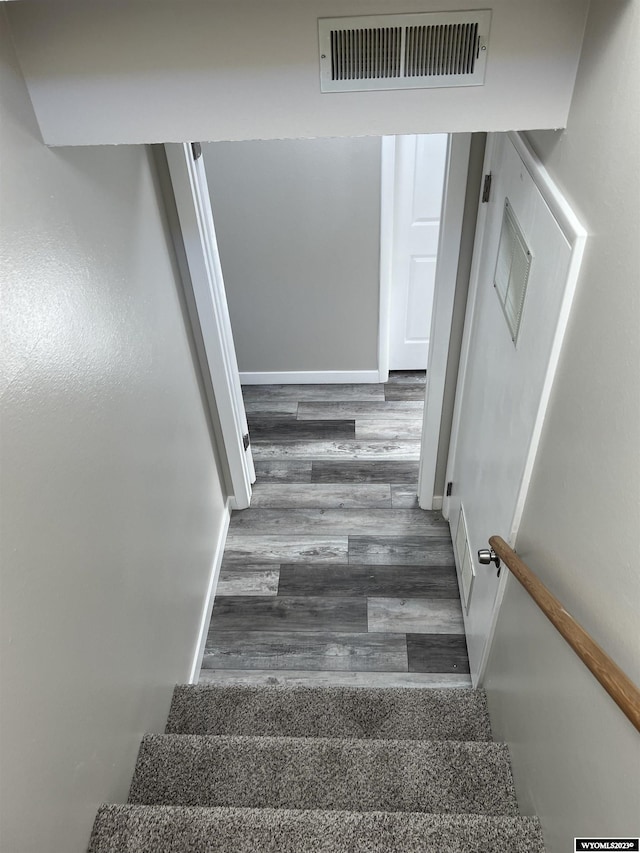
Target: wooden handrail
(618, 685)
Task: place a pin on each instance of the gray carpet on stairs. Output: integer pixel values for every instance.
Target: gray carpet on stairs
(331, 712)
(320, 770)
(324, 773)
(165, 829)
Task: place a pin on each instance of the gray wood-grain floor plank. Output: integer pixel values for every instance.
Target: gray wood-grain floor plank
(313, 393)
(358, 522)
(437, 653)
(434, 582)
(305, 650)
(393, 429)
(277, 408)
(407, 377)
(241, 549)
(415, 615)
(404, 392)
(401, 550)
(289, 613)
(405, 410)
(346, 449)
(269, 428)
(337, 678)
(283, 470)
(404, 496)
(367, 471)
(248, 580)
(327, 495)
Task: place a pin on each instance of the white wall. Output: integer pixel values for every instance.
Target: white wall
(576, 757)
(111, 497)
(170, 70)
(298, 227)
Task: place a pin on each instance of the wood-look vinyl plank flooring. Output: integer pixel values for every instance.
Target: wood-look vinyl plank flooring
(334, 575)
(305, 650)
(241, 549)
(437, 653)
(283, 470)
(354, 410)
(434, 582)
(248, 580)
(371, 471)
(275, 408)
(268, 428)
(313, 393)
(404, 392)
(321, 495)
(407, 377)
(393, 429)
(404, 496)
(339, 522)
(415, 615)
(401, 550)
(289, 613)
(335, 678)
(345, 449)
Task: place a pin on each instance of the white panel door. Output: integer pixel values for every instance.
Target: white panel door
(419, 183)
(502, 397)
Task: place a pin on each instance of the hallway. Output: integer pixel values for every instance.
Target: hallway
(334, 575)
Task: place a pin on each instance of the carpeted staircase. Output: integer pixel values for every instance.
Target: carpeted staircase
(320, 770)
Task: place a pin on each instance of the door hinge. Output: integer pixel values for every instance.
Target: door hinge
(449, 489)
(196, 150)
(486, 188)
(246, 441)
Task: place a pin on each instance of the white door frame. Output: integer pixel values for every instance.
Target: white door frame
(455, 187)
(387, 207)
(575, 232)
(198, 232)
(455, 190)
(478, 249)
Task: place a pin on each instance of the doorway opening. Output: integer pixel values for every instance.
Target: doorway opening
(385, 433)
(307, 231)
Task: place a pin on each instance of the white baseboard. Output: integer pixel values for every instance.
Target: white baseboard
(211, 594)
(309, 377)
(436, 503)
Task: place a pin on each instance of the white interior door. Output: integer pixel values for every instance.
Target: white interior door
(420, 163)
(505, 385)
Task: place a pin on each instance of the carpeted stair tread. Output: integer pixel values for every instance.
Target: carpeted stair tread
(324, 773)
(416, 714)
(167, 829)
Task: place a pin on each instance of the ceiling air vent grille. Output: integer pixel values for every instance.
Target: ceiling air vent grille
(366, 54)
(431, 49)
(446, 49)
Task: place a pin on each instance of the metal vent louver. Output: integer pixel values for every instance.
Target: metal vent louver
(431, 49)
